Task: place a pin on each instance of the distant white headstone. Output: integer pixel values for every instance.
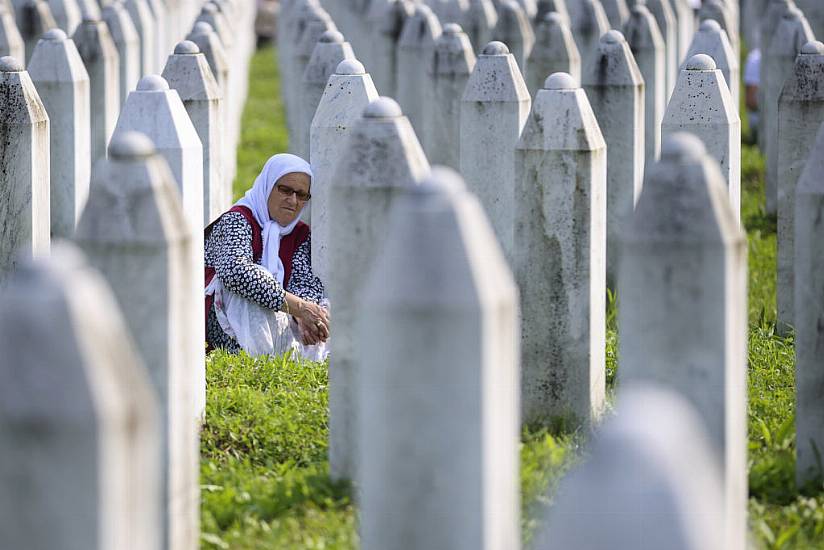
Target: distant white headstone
(415, 45)
(554, 52)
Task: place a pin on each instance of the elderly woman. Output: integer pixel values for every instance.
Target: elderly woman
(261, 294)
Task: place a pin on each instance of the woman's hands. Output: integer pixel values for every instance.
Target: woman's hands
(312, 319)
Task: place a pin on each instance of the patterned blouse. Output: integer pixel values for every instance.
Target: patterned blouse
(229, 251)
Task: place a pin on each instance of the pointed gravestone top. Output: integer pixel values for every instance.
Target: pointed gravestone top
(813, 48)
(383, 107)
(331, 37)
(453, 52)
(10, 64)
(496, 77)
(560, 81)
(615, 65)
(700, 62)
(495, 48)
(804, 83)
(187, 47)
(152, 83)
(54, 35)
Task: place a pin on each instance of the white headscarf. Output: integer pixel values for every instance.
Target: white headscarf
(256, 199)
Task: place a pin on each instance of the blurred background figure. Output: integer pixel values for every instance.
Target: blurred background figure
(752, 71)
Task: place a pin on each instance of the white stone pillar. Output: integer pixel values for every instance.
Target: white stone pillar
(647, 45)
(809, 315)
(34, 18)
(683, 314)
(588, 23)
(554, 52)
(453, 396)
(329, 52)
(11, 43)
(560, 255)
(661, 10)
(789, 37)
(24, 169)
(494, 109)
(615, 89)
(135, 232)
(385, 21)
(361, 196)
(144, 24)
(188, 73)
(79, 422)
(210, 14)
(702, 105)
(66, 14)
(127, 41)
(415, 46)
(685, 24)
(617, 12)
(631, 491)
(162, 21)
(448, 72)
(712, 40)
(479, 22)
(349, 91)
(545, 7)
(721, 12)
(800, 115)
(88, 9)
(63, 85)
(514, 30)
(99, 55)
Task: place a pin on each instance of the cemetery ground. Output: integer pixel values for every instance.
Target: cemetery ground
(264, 468)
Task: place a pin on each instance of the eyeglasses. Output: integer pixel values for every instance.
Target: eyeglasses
(286, 191)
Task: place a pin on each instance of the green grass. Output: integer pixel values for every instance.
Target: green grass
(264, 467)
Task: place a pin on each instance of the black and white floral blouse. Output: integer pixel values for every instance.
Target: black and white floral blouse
(229, 251)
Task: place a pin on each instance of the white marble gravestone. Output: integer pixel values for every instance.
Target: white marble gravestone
(554, 52)
(144, 24)
(127, 41)
(416, 44)
(11, 43)
(514, 30)
(712, 40)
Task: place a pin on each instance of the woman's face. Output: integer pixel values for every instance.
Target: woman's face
(284, 202)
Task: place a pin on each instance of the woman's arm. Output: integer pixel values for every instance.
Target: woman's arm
(303, 282)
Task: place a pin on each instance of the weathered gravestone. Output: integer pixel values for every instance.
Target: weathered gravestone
(479, 21)
(546, 7)
(348, 92)
(649, 482)
(683, 315)
(135, 232)
(439, 423)
(160, 16)
(415, 45)
(647, 45)
(615, 89)
(514, 30)
(63, 86)
(800, 115)
(588, 24)
(127, 41)
(778, 60)
(144, 24)
(78, 419)
(661, 10)
(702, 105)
(560, 255)
(34, 18)
(712, 40)
(188, 73)
(382, 160)
(494, 109)
(385, 20)
(554, 52)
(210, 14)
(685, 25)
(24, 168)
(448, 72)
(809, 316)
(67, 14)
(330, 50)
(99, 55)
(11, 43)
(721, 12)
(617, 12)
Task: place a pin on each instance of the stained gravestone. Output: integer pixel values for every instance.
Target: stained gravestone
(34, 18)
(546, 7)
(554, 52)
(415, 45)
(685, 24)
(702, 105)
(588, 23)
(712, 40)
(349, 91)
(127, 41)
(188, 73)
(560, 255)
(631, 492)
(615, 89)
(683, 315)
(514, 30)
(99, 55)
(647, 45)
(67, 14)
(63, 86)
(479, 21)
(800, 115)
(494, 109)
(463, 420)
(210, 14)
(448, 72)
(24, 173)
(11, 43)
(330, 50)
(809, 315)
(791, 34)
(78, 418)
(385, 20)
(382, 160)
(661, 10)
(145, 26)
(617, 12)
(135, 232)
(88, 9)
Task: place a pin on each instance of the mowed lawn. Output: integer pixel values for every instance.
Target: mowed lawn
(264, 469)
